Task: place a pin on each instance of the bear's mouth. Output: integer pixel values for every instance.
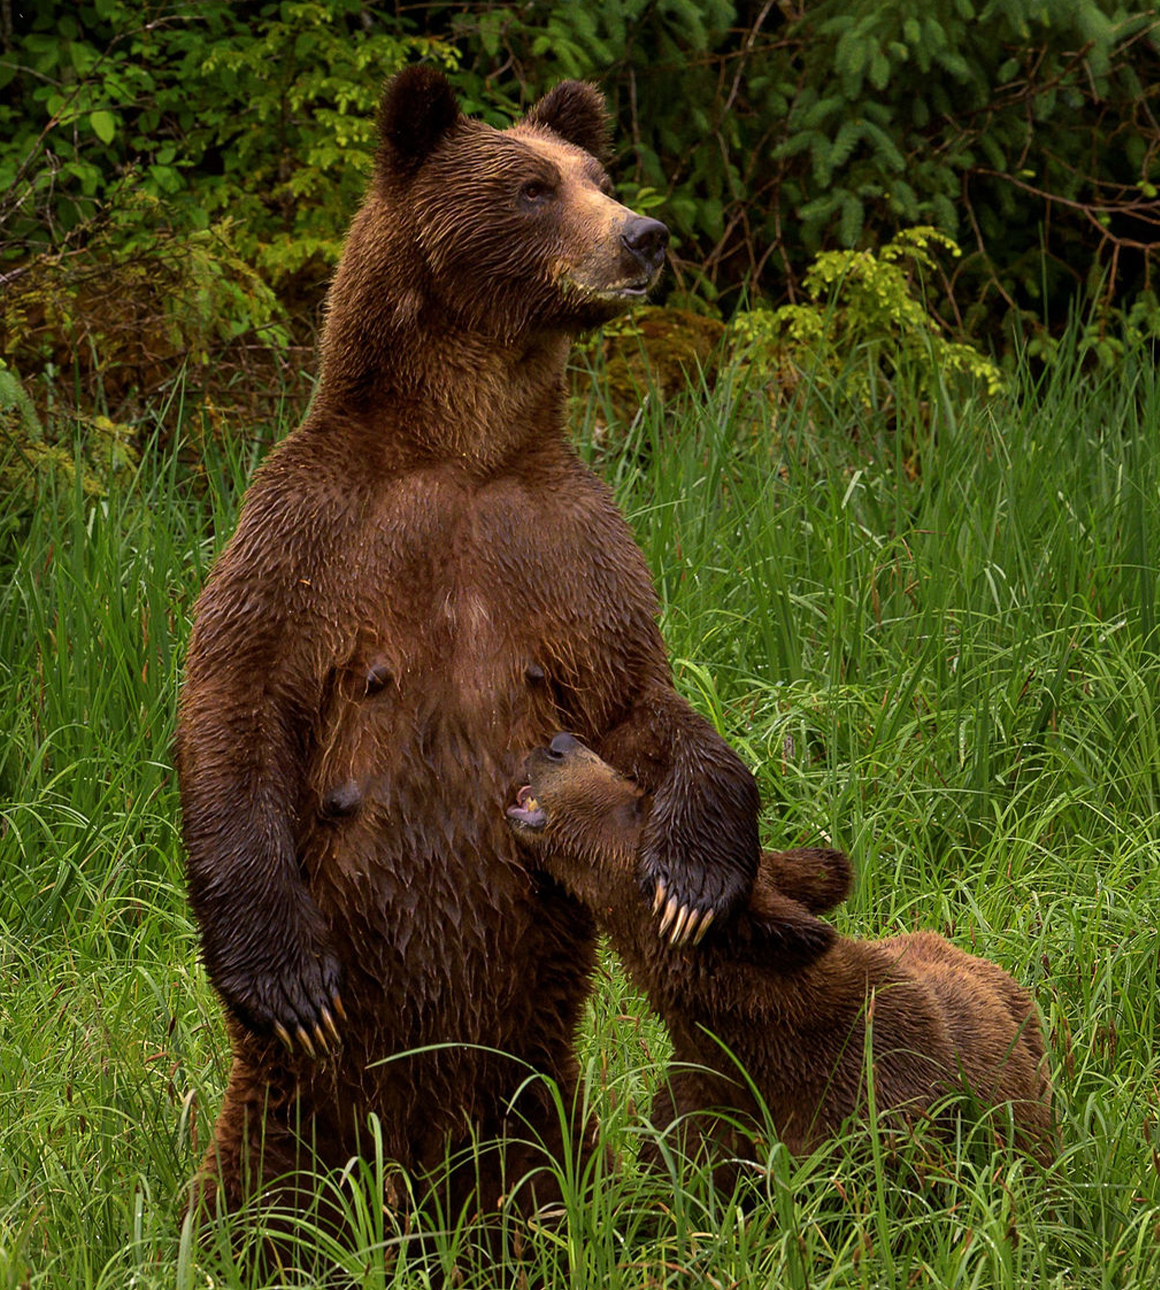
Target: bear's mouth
(527, 812)
(635, 290)
(615, 293)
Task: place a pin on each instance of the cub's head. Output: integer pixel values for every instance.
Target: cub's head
(518, 228)
(581, 821)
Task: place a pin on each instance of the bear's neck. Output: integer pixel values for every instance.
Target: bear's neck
(420, 385)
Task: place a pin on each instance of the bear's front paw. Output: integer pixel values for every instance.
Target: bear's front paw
(298, 1000)
(685, 921)
(697, 863)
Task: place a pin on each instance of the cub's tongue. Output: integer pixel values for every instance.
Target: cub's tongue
(527, 812)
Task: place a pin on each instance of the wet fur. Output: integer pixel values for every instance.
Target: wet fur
(784, 993)
(425, 582)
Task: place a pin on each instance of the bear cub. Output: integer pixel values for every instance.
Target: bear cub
(778, 993)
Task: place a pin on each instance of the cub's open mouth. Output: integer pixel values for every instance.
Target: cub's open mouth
(527, 812)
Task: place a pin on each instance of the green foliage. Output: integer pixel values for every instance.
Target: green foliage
(35, 467)
(865, 331)
(17, 414)
(1106, 337)
(259, 111)
(175, 179)
(989, 121)
(107, 455)
(140, 303)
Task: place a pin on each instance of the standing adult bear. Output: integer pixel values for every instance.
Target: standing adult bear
(424, 585)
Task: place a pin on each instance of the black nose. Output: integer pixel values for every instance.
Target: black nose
(561, 745)
(646, 239)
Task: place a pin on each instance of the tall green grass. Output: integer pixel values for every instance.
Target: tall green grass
(951, 672)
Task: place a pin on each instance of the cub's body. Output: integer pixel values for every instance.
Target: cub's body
(772, 1007)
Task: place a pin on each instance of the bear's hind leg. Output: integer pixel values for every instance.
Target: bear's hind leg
(271, 1172)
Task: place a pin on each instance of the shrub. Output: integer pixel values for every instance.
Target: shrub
(177, 180)
(30, 457)
(865, 334)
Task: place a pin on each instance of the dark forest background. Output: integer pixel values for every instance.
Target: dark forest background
(176, 178)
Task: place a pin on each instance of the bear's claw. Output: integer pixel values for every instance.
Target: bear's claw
(706, 922)
(300, 1014)
(687, 923)
(678, 933)
(699, 855)
(312, 1044)
(670, 913)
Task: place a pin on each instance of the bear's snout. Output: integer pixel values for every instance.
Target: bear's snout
(646, 239)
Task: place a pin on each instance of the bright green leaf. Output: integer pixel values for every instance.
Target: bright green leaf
(104, 125)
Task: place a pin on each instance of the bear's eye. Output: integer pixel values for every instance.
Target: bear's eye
(535, 192)
(606, 186)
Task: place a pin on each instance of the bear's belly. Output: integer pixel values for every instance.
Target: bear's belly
(405, 844)
(463, 662)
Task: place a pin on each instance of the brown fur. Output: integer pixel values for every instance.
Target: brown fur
(786, 996)
(425, 582)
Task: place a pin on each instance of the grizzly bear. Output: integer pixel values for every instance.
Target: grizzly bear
(773, 1003)
(425, 583)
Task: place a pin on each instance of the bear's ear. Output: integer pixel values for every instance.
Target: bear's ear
(577, 113)
(782, 933)
(418, 107)
(630, 814)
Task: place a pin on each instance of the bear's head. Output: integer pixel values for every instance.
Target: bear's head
(581, 822)
(580, 819)
(515, 229)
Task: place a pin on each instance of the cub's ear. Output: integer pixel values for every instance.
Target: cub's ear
(818, 877)
(631, 814)
(418, 107)
(781, 933)
(577, 113)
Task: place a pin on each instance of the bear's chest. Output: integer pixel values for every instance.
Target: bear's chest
(475, 595)
(485, 621)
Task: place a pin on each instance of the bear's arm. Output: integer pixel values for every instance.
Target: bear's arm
(699, 852)
(252, 689)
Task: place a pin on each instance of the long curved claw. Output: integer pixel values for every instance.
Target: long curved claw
(320, 1038)
(284, 1035)
(678, 931)
(706, 923)
(659, 898)
(336, 999)
(331, 1028)
(670, 913)
(304, 1039)
(690, 927)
